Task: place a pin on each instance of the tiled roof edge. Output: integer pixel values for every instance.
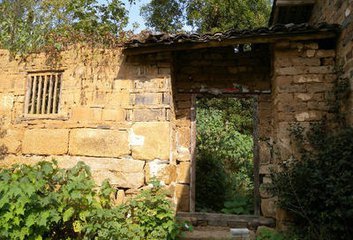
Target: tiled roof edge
(171, 39)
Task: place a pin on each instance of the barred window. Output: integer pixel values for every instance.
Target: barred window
(43, 93)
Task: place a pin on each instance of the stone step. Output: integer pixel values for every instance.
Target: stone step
(225, 220)
(208, 233)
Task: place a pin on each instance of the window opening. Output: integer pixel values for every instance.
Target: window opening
(43, 93)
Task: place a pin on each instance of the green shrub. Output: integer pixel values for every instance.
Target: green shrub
(318, 189)
(211, 182)
(224, 166)
(43, 201)
(238, 205)
(147, 216)
(271, 234)
(46, 202)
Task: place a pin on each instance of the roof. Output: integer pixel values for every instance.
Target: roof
(170, 42)
(291, 11)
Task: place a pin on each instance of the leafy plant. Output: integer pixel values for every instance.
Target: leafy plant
(206, 15)
(46, 202)
(28, 25)
(224, 166)
(211, 182)
(147, 216)
(323, 208)
(238, 205)
(43, 201)
(271, 234)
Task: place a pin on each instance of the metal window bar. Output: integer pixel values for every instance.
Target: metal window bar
(43, 93)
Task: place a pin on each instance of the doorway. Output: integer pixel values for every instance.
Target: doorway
(224, 162)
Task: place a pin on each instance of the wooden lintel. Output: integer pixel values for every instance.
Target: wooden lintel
(265, 39)
(294, 2)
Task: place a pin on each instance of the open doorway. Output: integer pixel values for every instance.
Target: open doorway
(225, 152)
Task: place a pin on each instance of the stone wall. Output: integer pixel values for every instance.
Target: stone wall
(133, 117)
(302, 92)
(114, 115)
(340, 12)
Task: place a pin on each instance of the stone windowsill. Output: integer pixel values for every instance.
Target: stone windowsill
(28, 117)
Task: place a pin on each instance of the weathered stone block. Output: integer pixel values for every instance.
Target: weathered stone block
(147, 98)
(120, 197)
(308, 116)
(13, 140)
(308, 78)
(166, 98)
(310, 53)
(6, 102)
(319, 87)
(86, 114)
(267, 169)
(297, 70)
(183, 171)
(12, 159)
(184, 137)
(303, 96)
(120, 84)
(154, 83)
(99, 143)
(325, 53)
(292, 88)
(183, 154)
(182, 197)
(264, 152)
(320, 106)
(123, 173)
(113, 115)
(285, 116)
(150, 140)
(297, 61)
(148, 115)
(268, 207)
(162, 170)
(45, 141)
(118, 99)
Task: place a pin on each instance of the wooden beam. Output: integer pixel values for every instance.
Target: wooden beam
(294, 2)
(155, 48)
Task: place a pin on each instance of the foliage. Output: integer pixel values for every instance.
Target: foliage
(147, 216)
(323, 208)
(271, 234)
(29, 25)
(206, 16)
(211, 182)
(224, 169)
(238, 205)
(46, 202)
(164, 16)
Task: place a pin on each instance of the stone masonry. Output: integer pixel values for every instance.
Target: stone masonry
(132, 117)
(114, 115)
(340, 12)
(302, 91)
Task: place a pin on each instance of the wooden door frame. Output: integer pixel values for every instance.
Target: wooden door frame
(256, 159)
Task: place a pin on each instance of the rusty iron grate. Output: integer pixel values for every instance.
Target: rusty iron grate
(43, 93)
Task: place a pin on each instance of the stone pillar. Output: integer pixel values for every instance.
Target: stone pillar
(302, 90)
